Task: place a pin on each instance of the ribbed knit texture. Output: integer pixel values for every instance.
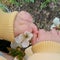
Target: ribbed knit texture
(6, 25)
(45, 56)
(46, 46)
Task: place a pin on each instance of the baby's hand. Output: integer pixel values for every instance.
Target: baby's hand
(24, 22)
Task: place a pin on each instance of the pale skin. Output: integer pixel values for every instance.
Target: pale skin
(24, 22)
(43, 35)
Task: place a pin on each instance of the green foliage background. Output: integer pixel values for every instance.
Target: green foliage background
(43, 4)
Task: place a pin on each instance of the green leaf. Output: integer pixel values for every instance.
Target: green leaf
(16, 52)
(12, 1)
(48, 1)
(32, 1)
(43, 5)
(4, 8)
(27, 1)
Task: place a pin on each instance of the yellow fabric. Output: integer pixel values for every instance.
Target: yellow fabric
(46, 50)
(45, 56)
(6, 25)
(46, 46)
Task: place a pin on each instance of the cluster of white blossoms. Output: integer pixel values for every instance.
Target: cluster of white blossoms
(23, 40)
(56, 23)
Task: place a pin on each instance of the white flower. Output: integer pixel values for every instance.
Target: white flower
(27, 36)
(52, 26)
(25, 44)
(56, 21)
(19, 38)
(13, 45)
(23, 40)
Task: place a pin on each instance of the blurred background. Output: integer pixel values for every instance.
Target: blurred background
(43, 11)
